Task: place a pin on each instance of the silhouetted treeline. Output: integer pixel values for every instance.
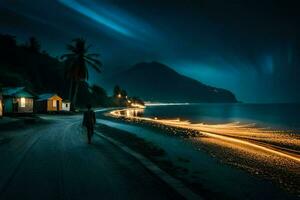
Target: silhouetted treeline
(121, 98)
(27, 65)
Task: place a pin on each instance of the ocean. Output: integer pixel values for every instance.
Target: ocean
(277, 116)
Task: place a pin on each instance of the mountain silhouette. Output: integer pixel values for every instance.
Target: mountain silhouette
(154, 81)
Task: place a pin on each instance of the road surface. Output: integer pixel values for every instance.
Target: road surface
(54, 161)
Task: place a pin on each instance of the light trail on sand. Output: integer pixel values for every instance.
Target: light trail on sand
(245, 134)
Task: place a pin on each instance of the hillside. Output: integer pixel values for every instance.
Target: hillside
(157, 82)
(41, 73)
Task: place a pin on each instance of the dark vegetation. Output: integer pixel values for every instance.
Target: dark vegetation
(76, 70)
(27, 65)
(120, 98)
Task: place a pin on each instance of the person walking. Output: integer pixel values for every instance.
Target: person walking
(89, 120)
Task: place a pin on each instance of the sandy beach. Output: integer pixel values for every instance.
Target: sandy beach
(261, 165)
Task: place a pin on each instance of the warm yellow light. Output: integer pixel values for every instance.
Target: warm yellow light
(54, 103)
(135, 105)
(1, 108)
(23, 102)
(119, 95)
(247, 135)
(129, 101)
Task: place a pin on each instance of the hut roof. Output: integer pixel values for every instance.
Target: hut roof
(46, 96)
(66, 101)
(17, 92)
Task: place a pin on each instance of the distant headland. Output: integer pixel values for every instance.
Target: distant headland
(157, 82)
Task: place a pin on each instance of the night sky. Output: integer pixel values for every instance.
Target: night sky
(249, 47)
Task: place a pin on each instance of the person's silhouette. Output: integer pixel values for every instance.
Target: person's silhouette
(89, 120)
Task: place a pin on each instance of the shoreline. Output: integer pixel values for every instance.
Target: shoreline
(276, 142)
(283, 175)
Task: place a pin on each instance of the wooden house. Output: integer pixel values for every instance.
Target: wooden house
(48, 102)
(17, 100)
(66, 104)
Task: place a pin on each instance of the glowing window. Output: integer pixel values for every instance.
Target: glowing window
(54, 103)
(23, 102)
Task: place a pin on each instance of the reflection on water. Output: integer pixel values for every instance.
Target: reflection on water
(129, 113)
(274, 154)
(278, 116)
(280, 143)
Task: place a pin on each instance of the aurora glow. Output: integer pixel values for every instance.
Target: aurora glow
(97, 17)
(250, 48)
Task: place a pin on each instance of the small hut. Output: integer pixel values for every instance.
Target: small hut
(66, 104)
(17, 100)
(48, 102)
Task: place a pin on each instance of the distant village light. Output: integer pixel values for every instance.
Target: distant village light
(136, 105)
(119, 95)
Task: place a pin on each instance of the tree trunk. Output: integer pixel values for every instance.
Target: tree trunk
(75, 94)
(71, 89)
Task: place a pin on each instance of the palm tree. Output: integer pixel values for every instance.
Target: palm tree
(76, 65)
